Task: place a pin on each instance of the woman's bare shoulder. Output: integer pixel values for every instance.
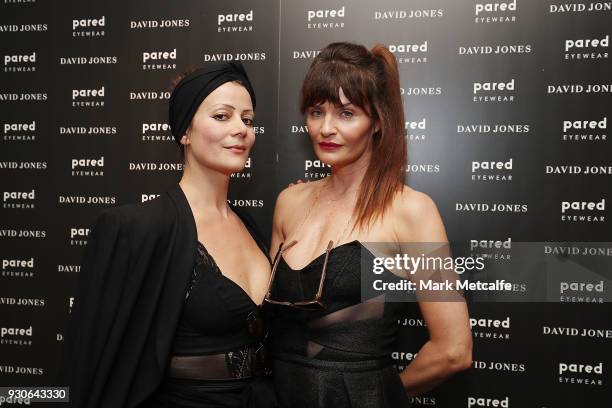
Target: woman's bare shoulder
(413, 204)
(297, 194)
(416, 216)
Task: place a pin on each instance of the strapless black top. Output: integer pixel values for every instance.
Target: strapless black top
(340, 355)
(347, 325)
(217, 356)
(215, 316)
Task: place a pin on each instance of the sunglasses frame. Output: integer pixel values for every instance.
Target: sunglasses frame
(303, 304)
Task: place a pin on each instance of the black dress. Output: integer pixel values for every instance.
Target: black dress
(217, 355)
(339, 356)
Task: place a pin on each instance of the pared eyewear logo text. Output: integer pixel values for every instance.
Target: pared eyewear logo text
(486, 328)
(587, 48)
(415, 129)
(89, 27)
(410, 53)
(585, 130)
(495, 12)
(473, 402)
(18, 199)
(156, 132)
(490, 170)
(583, 211)
(581, 373)
(494, 92)
(323, 19)
(87, 167)
(235, 22)
(18, 268)
(20, 62)
(16, 336)
(88, 98)
(498, 250)
(159, 60)
(19, 131)
(79, 236)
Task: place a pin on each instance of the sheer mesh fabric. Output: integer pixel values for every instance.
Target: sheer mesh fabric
(344, 320)
(231, 364)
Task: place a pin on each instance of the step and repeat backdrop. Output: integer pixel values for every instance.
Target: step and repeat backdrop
(508, 106)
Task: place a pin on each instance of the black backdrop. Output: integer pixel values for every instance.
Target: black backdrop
(483, 81)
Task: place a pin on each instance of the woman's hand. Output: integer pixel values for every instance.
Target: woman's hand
(299, 181)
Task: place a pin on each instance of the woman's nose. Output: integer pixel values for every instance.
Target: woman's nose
(328, 126)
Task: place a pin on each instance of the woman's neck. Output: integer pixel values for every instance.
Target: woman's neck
(205, 189)
(348, 178)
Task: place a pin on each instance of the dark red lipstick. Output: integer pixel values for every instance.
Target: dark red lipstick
(329, 146)
(237, 148)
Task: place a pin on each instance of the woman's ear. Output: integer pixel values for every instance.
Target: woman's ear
(377, 126)
(185, 139)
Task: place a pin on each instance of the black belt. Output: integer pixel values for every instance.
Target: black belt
(240, 363)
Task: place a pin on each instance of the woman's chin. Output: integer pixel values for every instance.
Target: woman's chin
(235, 168)
(330, 159)
(226, 167)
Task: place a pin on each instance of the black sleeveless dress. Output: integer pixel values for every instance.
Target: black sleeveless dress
(217, 355)
(339, 356)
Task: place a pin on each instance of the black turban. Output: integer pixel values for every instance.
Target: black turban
(195, 87)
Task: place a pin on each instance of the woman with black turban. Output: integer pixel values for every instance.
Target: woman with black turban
(167, 312)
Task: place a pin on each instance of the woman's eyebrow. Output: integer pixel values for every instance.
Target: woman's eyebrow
(224, 105)
(231, 107)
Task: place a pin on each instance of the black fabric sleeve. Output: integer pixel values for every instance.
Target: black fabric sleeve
(88, 347)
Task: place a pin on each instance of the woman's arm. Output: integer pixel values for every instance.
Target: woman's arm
(449, 348)
(88, 332)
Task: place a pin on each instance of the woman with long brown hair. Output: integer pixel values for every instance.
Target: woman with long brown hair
(331, 348)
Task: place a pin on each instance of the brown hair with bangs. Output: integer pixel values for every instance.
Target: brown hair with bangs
(370, 80)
